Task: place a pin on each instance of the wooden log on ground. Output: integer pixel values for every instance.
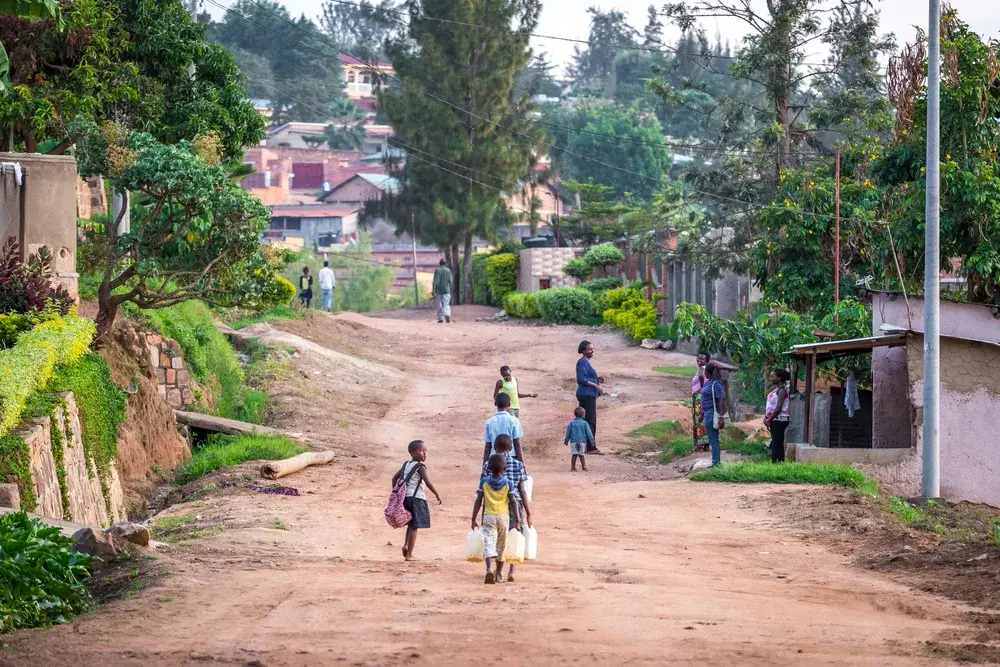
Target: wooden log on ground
(276, 469)
(215, 424)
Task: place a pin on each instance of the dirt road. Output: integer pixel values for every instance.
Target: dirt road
(632, 570)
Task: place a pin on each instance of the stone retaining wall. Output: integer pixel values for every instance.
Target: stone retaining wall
(87, 504)
(166, 360)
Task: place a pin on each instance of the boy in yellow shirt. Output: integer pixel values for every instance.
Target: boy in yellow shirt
(495, 498)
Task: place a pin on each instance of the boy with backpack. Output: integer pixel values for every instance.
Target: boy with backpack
(495, 498)
(414, 475)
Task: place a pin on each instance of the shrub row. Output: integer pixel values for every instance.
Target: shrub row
(28, 366)
(601, 284)
(559, 305)
(627, 310)
(480, 280)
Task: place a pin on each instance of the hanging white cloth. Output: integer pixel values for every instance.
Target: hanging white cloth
(17, 170)
(851, 400)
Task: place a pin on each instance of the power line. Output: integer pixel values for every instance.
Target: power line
(507, 129)
(375, 72)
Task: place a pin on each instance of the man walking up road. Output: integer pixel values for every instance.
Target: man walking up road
(442, 291)
(326, 284)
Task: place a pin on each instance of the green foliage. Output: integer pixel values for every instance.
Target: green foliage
(480, 279)
(26, 287)
(578, 268)
(229, 450)
(28, 366)
(45, 405)
(907, 513)
(604, 256)
(501, 271)
(101, 404)
(638, 146)
(758, 339)
(564, 305)
(210, 358)
(521, 304)
(15, 463)
(195, 233)
(601, 284)
(272, 314)
(834, 474)
(626, 309)
(41, 576)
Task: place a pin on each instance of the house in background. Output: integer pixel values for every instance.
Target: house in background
(551, 204)
(295, 135)
(285, 175)
(885, 438)
(319, 225)
(357, 76)
(359, 188)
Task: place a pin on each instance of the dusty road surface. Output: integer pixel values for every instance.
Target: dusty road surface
(633, 569)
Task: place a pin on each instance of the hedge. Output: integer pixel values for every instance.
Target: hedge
(480, 280)
(501, 271)
(565, 305)
(521, 304)
(28, 366)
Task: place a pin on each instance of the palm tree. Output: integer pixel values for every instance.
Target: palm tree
(347, 132)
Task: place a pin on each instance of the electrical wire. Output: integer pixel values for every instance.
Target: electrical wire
(512, 131)
(376, 72)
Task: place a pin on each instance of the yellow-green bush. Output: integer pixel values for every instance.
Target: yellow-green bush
(628, 311)
(501, 272)
(28, 366)
(521, 304)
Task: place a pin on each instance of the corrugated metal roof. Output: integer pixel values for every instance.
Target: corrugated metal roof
(312, 211)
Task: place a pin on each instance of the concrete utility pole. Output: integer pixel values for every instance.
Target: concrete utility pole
(932, 263)
(836, 241)
(413, 238)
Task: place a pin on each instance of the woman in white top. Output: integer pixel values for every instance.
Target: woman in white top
(776, 415)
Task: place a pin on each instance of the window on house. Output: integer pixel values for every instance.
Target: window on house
(350, 77)
(277, 224)
(293, 224)
(366, 78)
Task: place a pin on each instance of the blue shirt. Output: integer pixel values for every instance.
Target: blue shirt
(499, 424)
(707, 406)
(585, 373)
(578, 430)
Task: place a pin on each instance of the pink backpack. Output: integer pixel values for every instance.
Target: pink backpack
(396, 515)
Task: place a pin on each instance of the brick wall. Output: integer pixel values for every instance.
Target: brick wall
(537, 264)
(167, 362)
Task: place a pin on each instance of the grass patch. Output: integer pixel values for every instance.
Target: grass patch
(659, 430)
(675, 441)
(275, 313)
(278, 524)
(687, 371)
(755, 450)
(229, 450)
(789, 473)
(180, 528)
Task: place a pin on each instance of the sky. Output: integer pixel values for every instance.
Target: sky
(569, 18)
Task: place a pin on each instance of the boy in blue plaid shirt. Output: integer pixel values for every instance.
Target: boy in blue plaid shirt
(516, 474)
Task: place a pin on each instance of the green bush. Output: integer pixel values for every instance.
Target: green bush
(601, 284)
(28, 366)
(41, 577)
(578, 268)
(564, 305)
(222, 451)
(501, 271)
(628, 311)
(101, 404)
(521, 304)
(604, 256)
(480, 280)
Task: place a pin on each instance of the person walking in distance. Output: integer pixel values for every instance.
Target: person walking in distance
(327, 281)
(508, 385)
(305, 287)
(442, 292)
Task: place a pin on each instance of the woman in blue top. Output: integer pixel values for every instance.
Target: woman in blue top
(713, 395)
(588, 388)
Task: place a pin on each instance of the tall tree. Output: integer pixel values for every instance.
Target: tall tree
(652, 34)
(360, 29)
(594, 67)
(623, 148)
(468, 137)
(305, 75)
